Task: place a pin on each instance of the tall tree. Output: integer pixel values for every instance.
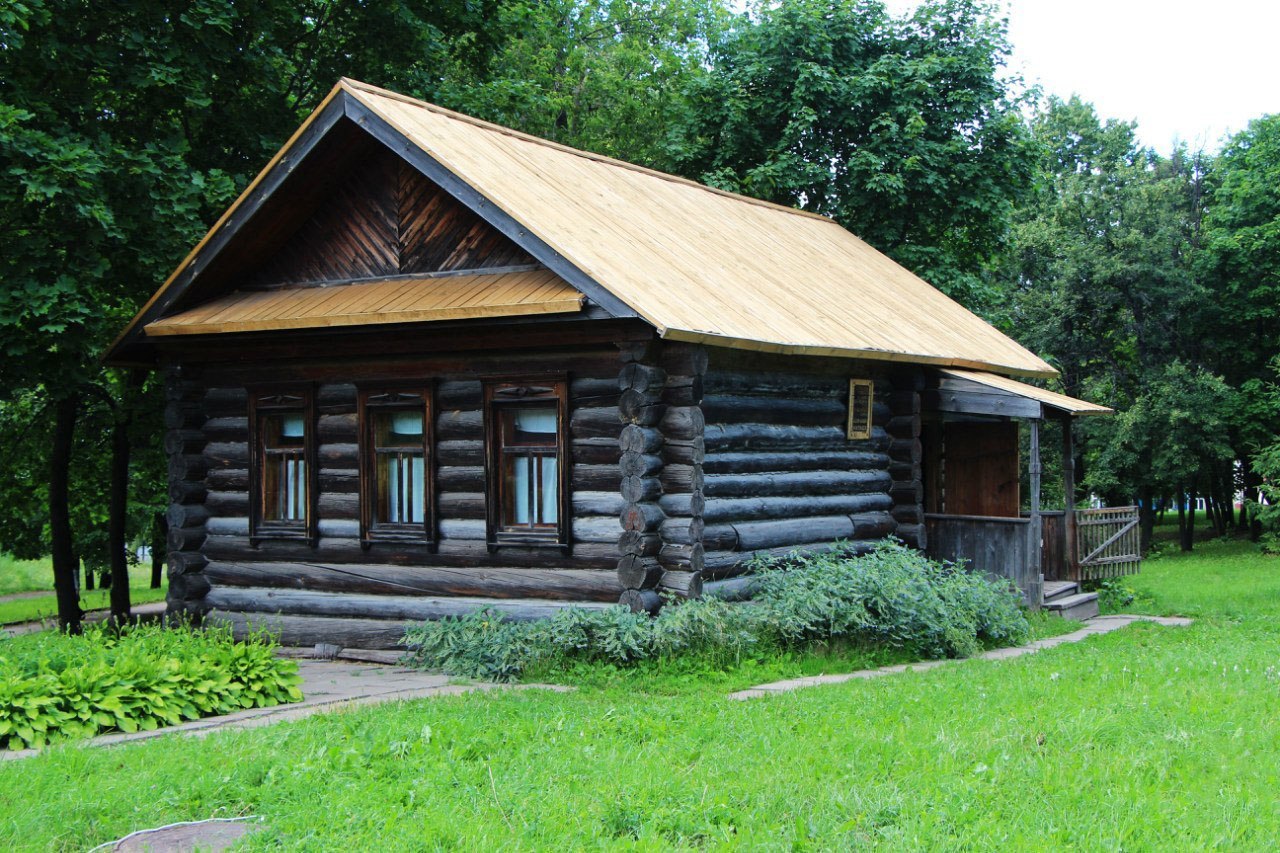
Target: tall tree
(906, 130)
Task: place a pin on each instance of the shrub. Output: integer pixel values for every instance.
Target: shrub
(54, 687)
(891, 596)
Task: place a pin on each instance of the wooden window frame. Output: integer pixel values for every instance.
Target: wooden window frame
(277, 400)
(391, 398)
(525, 392)
(859, 429)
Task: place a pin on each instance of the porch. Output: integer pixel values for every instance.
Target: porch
(973, 503)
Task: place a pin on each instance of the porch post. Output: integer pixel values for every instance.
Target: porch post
(1069, 554)
(1037, 536)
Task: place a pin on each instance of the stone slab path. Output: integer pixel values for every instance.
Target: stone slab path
(326, 686)
(1095, 626)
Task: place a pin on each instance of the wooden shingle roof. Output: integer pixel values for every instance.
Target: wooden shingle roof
(699, 264)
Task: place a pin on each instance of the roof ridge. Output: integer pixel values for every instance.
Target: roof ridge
(358, 85)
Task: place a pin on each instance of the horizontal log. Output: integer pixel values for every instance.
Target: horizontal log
(467, 505)
(312, 630)
(792, 411)
(226, 454)
(641, 600)
(639, 439)
(184, 441)
(641, 516)
(593, 391)
(338, 455)
(639, 465)
(338, 428)
(746, 462)
(636, 572)
(598, 503)
(595, 478)
(336, 396)
(727, 564)
(602, 422)
(683, 391)
(719, 537)
(187, 492)
(596, 528)
(683, 505)
(460, 453)
(220, 402)
(795, 483)
(786, 384)
(459, 394)
(227, 428)
(912, 514)
(909, 470)
(335, 505)
(595, 451)
(462, 552)
(463, 528)
(872, 525)
(640, 489)
(460, 425)
(752, 436)
(682, 423)
(742, 588)
(229, 525)
(343, 480)
(683, 531)
(187, 515)
(230, 480)
(781, 532)
(746, 509)
(683, 584)
(406, 608)
(460, 478)
(502, 582)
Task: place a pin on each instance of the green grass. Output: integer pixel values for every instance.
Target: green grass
(24, 575)
(1146, 738)
(21, 576)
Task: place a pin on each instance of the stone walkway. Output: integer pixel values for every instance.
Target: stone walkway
(1095, 626)
(151, 610)
(326, 686)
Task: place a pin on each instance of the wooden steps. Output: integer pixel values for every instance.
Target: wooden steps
(1064, 598)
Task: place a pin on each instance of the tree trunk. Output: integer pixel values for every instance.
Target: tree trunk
(117, 510)
(159, 542)
(65, 565)
(1146, 519)
(1187, 519)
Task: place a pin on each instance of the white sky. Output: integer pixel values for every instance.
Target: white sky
(1184, 70)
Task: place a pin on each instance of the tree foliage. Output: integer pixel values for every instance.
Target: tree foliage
(905, 130)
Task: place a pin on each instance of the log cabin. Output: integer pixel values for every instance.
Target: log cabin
(426, 364)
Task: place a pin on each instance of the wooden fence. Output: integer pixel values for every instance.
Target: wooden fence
(1107, 543)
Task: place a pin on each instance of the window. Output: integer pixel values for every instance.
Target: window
(396, 487)
(861, 399)
(282, 473)
(527, 477)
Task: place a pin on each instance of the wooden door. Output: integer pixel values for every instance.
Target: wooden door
(981, 469)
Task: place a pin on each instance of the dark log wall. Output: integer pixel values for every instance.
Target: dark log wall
(209, 466)
(779, 472)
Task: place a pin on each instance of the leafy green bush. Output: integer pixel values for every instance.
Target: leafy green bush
(892, 596)
(55, 687)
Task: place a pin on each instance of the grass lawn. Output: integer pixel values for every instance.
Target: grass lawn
(21, 576)
(1149, 737)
